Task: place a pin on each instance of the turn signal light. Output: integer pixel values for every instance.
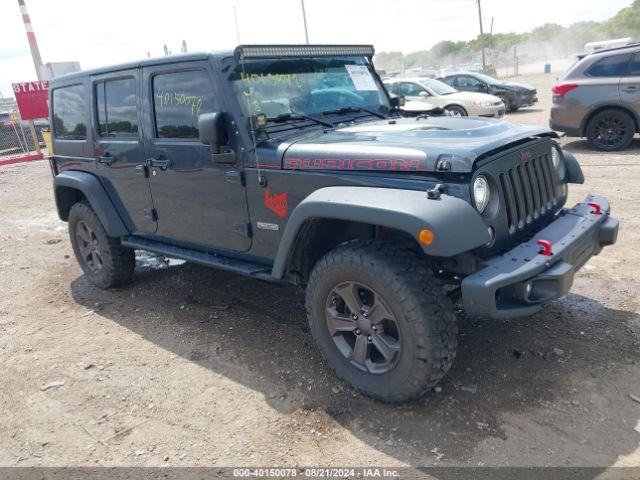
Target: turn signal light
(426, 237)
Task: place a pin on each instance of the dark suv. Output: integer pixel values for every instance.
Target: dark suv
(514, 95)
(292, 164)
(599, 98)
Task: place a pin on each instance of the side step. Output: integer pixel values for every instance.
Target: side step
(242, 267)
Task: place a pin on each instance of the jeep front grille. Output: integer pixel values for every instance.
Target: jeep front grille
(530, 190)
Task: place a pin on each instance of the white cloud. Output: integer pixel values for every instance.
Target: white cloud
(101, 33)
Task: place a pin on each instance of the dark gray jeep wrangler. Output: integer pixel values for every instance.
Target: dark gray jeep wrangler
(291, 164)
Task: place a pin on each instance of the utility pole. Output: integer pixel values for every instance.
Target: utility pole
(484, 61)
(235, 17)
(304, 18)
(33, 45)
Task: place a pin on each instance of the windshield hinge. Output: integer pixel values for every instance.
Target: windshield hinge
(435, 192)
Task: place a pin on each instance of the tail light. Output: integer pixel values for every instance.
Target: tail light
(562, 89)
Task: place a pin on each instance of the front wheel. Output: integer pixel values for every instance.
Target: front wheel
(104, 261)
(456, 111)
(381, 319)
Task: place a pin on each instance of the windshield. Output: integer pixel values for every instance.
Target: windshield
(439, 88)
(486, 78)
(307, 86)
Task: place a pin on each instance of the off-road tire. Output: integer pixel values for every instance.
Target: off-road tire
(618, 118)
(415, 296)
(118, 262)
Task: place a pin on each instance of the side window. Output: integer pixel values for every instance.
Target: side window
(633, 69)
(613, 66)
(116, 105)
(410, 89)
(179, 99)
(466, 82)
(69, 121)
(449, 80)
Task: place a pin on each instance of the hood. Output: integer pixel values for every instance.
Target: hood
(517, 86)
(405, 144)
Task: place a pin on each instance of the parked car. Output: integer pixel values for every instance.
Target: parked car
(514, 95)
(599, 98)
(437, 93)
(254, 162)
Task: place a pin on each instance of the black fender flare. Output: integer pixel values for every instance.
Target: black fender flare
(95, 194)
(574, 171)
(457, 226)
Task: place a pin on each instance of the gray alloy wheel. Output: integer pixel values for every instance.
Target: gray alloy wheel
(89, 246)
(363, 327)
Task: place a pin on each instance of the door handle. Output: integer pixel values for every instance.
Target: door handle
(162, 163)
(631, 88)
(106, 159)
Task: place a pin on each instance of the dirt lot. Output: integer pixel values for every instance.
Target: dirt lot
(191, 366)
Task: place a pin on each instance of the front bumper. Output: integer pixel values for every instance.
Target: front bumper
(494, 111)
(518, 282)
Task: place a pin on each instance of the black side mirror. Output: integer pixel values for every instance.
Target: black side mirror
(212, 130)
(397, 102)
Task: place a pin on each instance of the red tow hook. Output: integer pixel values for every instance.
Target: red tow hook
(546, 248)
(597, 209)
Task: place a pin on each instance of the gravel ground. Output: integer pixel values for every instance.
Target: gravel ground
(192, 366)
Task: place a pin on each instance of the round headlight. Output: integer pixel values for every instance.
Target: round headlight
(558, 161)
(481, 193)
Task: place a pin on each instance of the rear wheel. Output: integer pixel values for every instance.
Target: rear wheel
(104, 261)
(381, 319)
(610, 130)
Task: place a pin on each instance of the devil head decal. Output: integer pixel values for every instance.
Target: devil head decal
(276, 203)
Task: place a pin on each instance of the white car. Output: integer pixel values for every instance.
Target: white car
(439, 94)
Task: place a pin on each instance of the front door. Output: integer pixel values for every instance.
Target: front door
(119, 147)
(198, 202)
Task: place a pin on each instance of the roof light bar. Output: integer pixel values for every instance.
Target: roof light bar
(244, 52)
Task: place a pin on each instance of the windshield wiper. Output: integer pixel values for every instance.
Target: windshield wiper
(354, 110)
(285, 117)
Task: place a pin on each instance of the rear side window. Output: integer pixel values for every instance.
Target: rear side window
(116, 105)
(179, 99)
(69, 121)
(613, 66)
(634, 65)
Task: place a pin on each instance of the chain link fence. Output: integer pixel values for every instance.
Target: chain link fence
(16, 140)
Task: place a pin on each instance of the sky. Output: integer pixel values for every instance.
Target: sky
(113, 31)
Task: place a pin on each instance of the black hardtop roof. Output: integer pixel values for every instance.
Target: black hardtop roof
(183, 57)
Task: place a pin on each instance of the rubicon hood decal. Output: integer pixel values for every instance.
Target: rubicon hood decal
(407, 144)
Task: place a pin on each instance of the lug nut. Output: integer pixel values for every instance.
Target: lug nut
(354, 316)
(369, 338)
(357, 331)
(374, 328)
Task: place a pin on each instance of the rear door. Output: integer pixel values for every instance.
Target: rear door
(119, 148)
(630, 84)
(199, 202)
